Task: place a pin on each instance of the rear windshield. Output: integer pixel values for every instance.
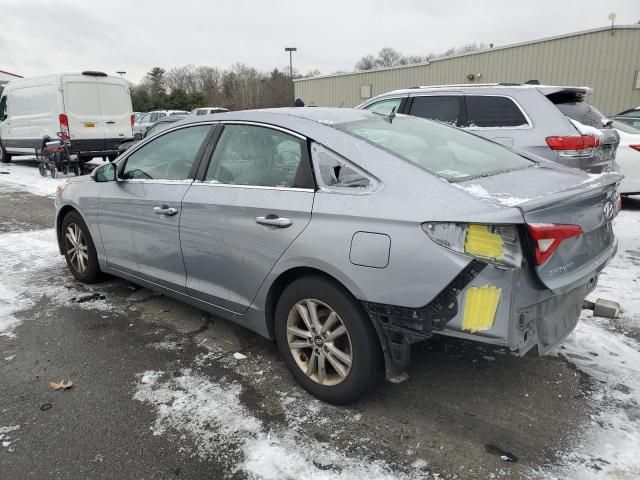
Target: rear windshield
(439, 149)
(573, 106)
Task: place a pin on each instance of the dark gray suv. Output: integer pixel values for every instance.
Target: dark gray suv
(550, 121)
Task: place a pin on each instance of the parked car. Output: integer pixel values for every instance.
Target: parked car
(628, 158)
(91, 109)
(148, 119)
(554, 122)
(630, 117)
(162, 124)
(346, 235)
(208, 110)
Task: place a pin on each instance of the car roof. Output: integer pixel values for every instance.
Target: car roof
(322, 115)
(545, 89)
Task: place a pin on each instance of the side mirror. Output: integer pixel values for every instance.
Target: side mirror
(137, 136)
(104, 173)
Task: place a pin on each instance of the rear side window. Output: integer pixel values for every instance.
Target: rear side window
(446, 109)
(385, 107)
(493, 112)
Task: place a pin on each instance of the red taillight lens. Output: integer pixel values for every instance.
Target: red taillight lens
(133, 120)
(635, 147)
(64, 126)
(573, 145)
(547, 238)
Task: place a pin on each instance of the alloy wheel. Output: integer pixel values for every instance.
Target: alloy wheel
(76, 248)
(319, 342)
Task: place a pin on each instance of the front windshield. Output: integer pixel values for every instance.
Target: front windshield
(440, 149)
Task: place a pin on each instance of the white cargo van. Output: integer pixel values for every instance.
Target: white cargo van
(91, 108)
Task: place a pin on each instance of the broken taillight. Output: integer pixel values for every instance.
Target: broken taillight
(547, 238)
(495, 244)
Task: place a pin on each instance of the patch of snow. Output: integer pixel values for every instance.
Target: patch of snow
(31, 268)
(609, 445)
(213, 417)
(27, 178)
(586, 129)
(479, 191)
(239, 356)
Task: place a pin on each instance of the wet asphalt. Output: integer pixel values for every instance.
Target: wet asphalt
(463, 409)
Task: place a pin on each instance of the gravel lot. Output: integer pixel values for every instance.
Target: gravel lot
(162, 390)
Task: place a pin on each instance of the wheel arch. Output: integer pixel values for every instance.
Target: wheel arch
(63, 212)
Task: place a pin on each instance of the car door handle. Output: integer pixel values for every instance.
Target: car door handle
(274, 221)
(168, 211)
(110, 122)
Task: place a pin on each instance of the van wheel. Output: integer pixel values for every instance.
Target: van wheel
(79, 250)
(4, 156)
(327, 341)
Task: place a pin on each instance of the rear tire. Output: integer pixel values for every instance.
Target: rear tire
(77, 240)
(4, 156)
(356, 353)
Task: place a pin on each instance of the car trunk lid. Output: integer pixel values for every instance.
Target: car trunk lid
(570, 199)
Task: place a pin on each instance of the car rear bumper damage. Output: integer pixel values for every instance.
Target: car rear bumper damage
(502, 307)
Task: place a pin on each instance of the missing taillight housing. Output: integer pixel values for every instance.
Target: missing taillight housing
(498, 245)
(547, 238)
(573, 145)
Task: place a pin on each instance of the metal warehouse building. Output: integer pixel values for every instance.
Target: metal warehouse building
(605, 59)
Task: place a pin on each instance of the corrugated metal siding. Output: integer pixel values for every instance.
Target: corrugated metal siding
(607, 63)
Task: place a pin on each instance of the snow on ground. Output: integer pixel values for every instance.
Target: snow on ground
(31, 268)
(213, 417)
(610, 446)
(26, 177)
(23, 173)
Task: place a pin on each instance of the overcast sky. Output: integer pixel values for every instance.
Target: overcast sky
(134, 35)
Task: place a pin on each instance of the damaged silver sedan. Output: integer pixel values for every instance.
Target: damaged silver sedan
(346, 235)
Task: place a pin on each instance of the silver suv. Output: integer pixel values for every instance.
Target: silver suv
(550, 121)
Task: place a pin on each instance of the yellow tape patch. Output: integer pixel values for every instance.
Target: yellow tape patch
(480, 307)
(480, 241)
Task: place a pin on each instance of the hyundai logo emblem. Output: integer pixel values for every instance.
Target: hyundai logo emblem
(608, 210)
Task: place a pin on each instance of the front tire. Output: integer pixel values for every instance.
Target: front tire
(79, 249)
(327, 341)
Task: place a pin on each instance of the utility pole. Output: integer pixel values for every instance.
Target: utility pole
(290, 50)
(121, 73)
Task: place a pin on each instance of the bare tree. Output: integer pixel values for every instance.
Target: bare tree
(368, 62)
(388, 57)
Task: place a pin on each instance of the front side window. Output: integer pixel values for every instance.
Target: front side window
(144, 118)
(252, 155)
(201, 112)
(444, 108)
(168, 157)
(439, 149)
(493, 112)
(385, 107)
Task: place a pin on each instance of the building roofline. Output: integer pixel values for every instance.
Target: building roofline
(475, 52)
(12, 74)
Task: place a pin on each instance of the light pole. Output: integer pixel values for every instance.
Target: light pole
(121, 73)
(290, 50)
